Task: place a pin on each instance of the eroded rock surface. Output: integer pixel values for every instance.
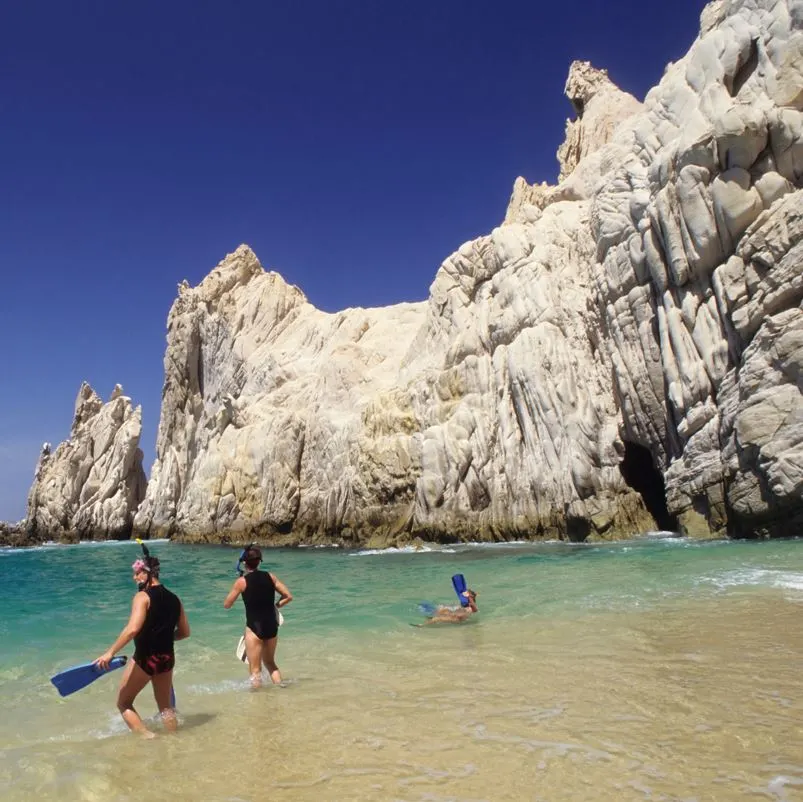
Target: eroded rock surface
(649, 303)
(92, 484)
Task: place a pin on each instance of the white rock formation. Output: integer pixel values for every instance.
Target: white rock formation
(650, 300)
(92, 484)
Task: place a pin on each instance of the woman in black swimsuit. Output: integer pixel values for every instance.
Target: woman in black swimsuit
(157, 620)
(258, 589)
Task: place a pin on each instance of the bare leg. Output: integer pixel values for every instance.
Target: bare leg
(269, 659)
(133, 681)
(162, 685)
(253, 650)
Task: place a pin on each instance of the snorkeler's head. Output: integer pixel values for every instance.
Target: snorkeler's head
(252, 557)
(145, 569)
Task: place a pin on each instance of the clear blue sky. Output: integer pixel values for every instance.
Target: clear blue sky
(353, 144)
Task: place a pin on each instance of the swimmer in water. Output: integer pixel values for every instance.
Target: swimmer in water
(454, 615)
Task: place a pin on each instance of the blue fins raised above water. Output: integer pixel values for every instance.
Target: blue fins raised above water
(73, 679)
(460, 588)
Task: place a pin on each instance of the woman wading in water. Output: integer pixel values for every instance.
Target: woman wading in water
(258, 589)
(157, 620)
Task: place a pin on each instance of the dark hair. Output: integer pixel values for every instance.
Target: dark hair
(253, 557)
(153, 566)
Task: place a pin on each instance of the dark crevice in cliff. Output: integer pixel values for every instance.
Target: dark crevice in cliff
(735, 83)
(640, 473)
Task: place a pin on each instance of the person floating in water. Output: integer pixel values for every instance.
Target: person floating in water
(454, 615)
(157, 620)
(258, 589)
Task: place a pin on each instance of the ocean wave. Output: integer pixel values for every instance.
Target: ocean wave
(96, 543)
(758, 577)
(8, 551)
(52, 545)
(319, 545)
(403, 550)
(504, 544)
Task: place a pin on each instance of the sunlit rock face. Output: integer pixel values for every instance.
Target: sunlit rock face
(622, 353)
(92, 484)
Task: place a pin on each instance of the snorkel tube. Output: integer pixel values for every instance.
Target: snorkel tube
(144, 564)
(239, 567)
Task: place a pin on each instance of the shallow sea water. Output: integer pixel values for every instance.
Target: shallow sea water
(650, 670)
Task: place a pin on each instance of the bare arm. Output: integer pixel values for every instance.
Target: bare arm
(236, 589)
(284, 591)
(183, 626)
(139, 609)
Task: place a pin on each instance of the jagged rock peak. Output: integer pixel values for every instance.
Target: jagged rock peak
(527, 201)
(87, 405)
(601, 108)
(90, 486)
(237, 272)
(584, 82)
(237, 268)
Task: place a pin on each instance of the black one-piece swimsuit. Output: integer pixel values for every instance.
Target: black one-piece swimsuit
(259, 597)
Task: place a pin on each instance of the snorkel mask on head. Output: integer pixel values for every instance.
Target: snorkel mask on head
(139, 565)
(144, 563)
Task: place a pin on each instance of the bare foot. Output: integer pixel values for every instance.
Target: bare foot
(170, 721)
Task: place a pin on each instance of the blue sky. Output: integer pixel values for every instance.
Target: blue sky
(352, 144)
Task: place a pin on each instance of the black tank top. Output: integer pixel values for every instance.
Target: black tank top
(158, 633)
(259, 597)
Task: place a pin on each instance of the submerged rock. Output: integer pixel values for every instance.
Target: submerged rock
(622, 354)
(92, 484)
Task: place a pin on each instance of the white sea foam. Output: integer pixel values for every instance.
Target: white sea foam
(319, 546)
(7, 552)
(504, 544)
(403, 550)
(52, 545)
(758, 577)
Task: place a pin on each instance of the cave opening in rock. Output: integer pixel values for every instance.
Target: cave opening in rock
(640, 473)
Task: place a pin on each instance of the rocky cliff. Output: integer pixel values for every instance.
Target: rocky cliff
(622, 353)
(90, 486)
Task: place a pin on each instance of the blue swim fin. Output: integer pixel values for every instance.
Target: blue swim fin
(460, 587)
(426, 608)
(73, 679)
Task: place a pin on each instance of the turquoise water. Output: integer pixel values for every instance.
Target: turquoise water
(573, 637)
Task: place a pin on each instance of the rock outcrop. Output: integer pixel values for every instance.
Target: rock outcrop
(93, 483)
(624, 352)
(15, 534)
